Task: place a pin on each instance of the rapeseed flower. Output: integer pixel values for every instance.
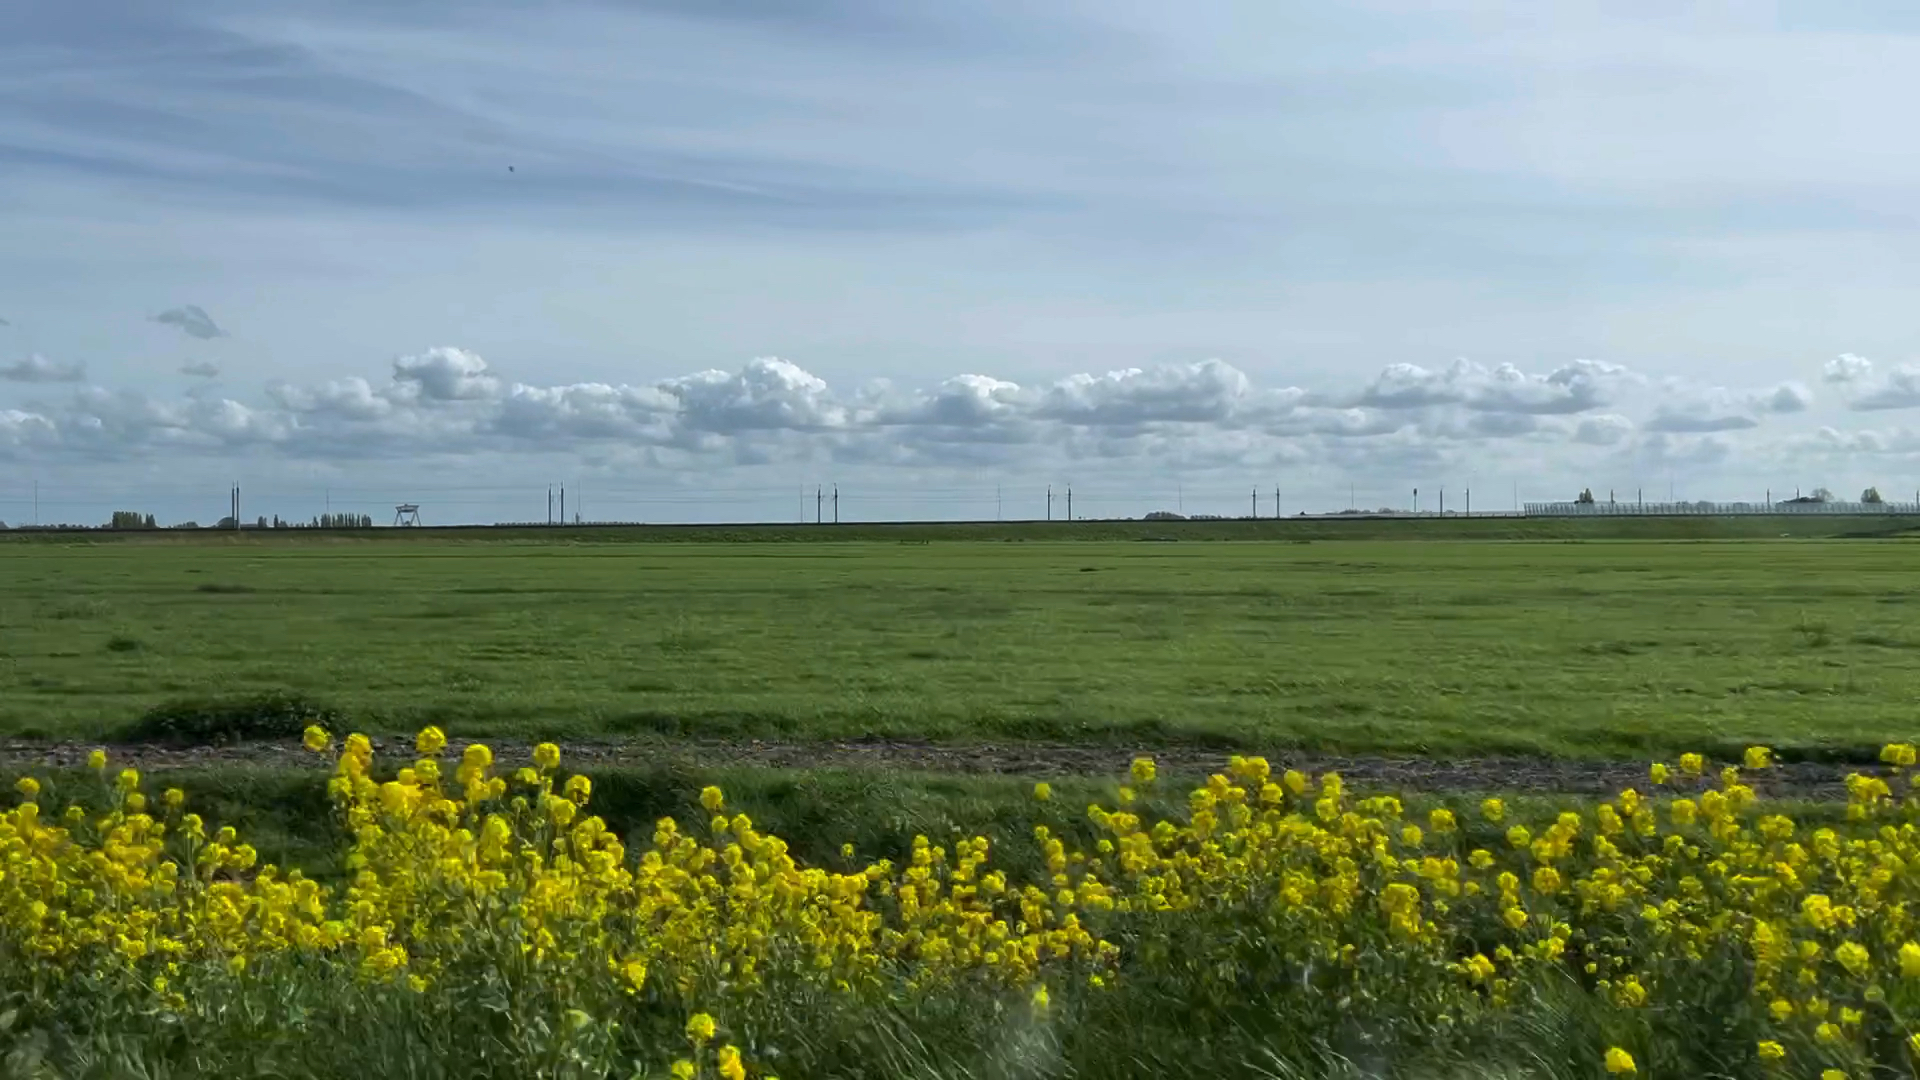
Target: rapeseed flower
(1619, 1062)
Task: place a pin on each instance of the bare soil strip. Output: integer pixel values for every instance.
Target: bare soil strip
(1022, 760)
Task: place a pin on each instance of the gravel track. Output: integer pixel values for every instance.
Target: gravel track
(1026, 760)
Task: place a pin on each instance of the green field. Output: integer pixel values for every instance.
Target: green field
(1615, 648)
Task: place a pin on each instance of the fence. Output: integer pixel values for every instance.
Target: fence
(1711, 509)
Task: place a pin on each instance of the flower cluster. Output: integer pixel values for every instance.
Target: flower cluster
(457, 873)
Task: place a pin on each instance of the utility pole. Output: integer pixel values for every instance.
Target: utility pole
(1469, 502)
(1443, 502)
(1416, 500)
(1256, 504)
(1069, 502)
(1049, 502)
(1276, 502)
(836, 504)
(563, 504)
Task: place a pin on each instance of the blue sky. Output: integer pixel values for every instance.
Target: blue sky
(1160, 252)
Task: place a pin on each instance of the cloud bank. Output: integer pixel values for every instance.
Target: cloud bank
(451, 401)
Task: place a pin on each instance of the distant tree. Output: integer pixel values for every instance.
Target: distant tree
(1586, 497)
(130, 519)
(1165, 515)
(1821, 495)
(185, 525)
(1871, 495)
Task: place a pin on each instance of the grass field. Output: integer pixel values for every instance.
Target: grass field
(1618, 648)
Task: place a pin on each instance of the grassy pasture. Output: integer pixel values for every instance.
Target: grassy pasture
(1451, 646)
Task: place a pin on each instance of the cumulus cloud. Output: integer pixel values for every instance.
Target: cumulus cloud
(1693, 410)
(444, 374)
(1578, 387)
(39, 369)
(448, 400)
(1897, 389)
(205, 369)
(192, 321)
(1846, 368)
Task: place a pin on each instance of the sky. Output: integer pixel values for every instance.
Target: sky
(699, 259)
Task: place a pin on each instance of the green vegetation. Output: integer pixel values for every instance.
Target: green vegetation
(1625, 648)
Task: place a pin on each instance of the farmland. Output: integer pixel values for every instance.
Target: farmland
(1598, 648)
(675, 910)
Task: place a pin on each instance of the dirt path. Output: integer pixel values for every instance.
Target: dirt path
(1026, 760)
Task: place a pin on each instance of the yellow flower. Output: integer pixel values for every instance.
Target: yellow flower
(1143, 771)
(1832, 1074)
(431, 740)
(1659, 774)
(174, 798)
(1493, 810)
(1853, 956)
(1910, 960)
(1441, 821)
(1899, 755)
(315, 738)
(1758, 757)
(97, 760)
(1827, 1033)
(1771, 1051)
(1619, 1062)
(683, 1070)
(477, 756)
(579, 788)
(1041, 1000)
(700, 1028)
(128, 779)
(1043, 791)
(1913, 1044)
(546, 757)
(728, 1062)
(1692, 764)
(1781, 1010)
(1683, 811)
(712, 798)
(27, 786)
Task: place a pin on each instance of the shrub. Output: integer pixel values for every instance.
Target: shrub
(215, 721)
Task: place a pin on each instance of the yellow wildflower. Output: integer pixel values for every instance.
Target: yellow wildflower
(546, 757)
(700, 1028)
(27, 786)
(1758, 757)
(1771, 1051)
(315, 738)
(97, 760)
(430, 741)
(728, 1064)
(1043, 791)
(1619, 1062)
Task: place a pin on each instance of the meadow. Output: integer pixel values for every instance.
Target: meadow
(1141, 635)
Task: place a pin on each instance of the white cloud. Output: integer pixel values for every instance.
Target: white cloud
(1688, 409)
(1846, 368)
(1897, 389)
(39, 369)
(450, 400)
(444, 374)
(1580, 386)
(192, 321)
